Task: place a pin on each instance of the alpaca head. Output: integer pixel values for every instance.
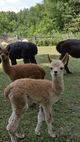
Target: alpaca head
(4, 54)
(57, 66)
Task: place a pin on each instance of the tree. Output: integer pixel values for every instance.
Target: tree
(43, 19)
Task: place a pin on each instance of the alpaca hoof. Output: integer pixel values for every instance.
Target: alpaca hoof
(37, 132)
(21, 136)
(52, 135)
(69, 72)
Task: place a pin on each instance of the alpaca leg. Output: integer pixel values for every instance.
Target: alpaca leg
(13, 123)
(32, 59)
(13, 126)
(26, 60)
(49, 120)
(40, 120)
(18, 134)
(25, 57)
(10, 118)
(13, 61)
(13, 137)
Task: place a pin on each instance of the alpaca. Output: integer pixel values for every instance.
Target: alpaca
(43, 92)
(70, 46)
(25, 50)
(14, 72)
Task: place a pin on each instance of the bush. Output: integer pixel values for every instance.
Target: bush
(46, 41)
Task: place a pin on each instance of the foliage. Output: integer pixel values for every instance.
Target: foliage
(46, 41)
(43, 19)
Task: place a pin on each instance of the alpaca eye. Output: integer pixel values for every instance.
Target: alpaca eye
(51, 68)
(61, 68)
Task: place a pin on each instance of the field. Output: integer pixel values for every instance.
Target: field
(66, 112)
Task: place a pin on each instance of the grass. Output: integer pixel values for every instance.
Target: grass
(66, 112)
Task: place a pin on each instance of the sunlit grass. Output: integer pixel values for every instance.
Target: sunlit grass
(66, 112)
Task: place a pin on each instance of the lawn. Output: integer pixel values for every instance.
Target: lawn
(66, 112)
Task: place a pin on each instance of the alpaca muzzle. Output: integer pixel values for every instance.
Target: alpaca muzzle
(55, 73)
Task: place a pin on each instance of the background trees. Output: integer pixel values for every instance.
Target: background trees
(48, 18)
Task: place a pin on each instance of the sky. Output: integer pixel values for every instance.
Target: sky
(17, 5)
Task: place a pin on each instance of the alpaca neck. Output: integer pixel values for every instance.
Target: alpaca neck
(58, 85)
(6, 66)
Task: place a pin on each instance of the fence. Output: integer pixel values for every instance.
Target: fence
(39, 40)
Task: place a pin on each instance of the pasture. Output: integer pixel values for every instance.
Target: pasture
(66, 112)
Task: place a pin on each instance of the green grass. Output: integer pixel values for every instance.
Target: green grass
(66, 112)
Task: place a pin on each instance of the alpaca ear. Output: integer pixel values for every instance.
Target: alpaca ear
(65, 58)
(49, 59)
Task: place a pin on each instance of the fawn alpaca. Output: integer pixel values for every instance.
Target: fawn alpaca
(14, 72)
(43, 92)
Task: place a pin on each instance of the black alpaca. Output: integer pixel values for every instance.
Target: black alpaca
(25, 50)
(70, 46)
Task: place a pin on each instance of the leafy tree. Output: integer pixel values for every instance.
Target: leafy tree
(43, 19)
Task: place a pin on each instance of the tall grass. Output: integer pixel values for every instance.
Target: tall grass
(66, 112)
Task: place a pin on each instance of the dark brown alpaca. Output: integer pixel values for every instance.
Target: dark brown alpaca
(14, 72)
(70, 46)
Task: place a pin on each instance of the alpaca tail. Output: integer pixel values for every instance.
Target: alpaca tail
(58, 46)
(8, 90)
